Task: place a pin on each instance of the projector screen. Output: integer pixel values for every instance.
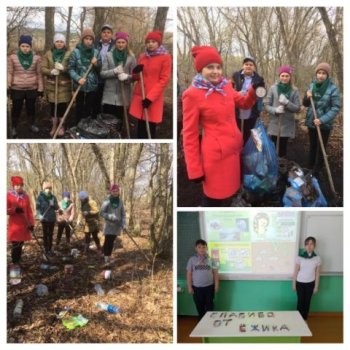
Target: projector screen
(254, 244)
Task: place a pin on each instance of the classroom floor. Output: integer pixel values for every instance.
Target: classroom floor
(325, 328)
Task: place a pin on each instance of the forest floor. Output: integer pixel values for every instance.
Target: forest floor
(190, 194)
(143, 294)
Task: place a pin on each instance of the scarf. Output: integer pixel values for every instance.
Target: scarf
(114, 201)
(200, 82)
(284, 89)
(161, 50)
(319, 89)
(307, 256)
(47, 197)
(17, 194)
(86, 54)
(58, 54)
(65, 204)
(119, 57)
(25, 59)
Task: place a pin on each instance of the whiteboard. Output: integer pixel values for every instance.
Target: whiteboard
(327, 228)
(251, 324)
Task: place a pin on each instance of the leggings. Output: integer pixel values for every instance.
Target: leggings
(61, 108)
(211, 202)
(94, 236)
(18, 99)
(315, 153)
(142, 129)
(63, 227)
(16, 251)
(85, 105)
(48, 228)
(108, 244)
(283, 145)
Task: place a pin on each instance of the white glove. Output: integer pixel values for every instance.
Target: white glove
(119, 69)
(123, 76)
(283, 100)
(59, 66)
(279, 109)
(55, 72)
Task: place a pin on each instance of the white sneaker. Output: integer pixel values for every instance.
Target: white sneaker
(14, 132)
(34, 128)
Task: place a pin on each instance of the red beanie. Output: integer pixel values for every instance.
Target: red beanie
(114, 187)
(157, 36)
(16, 180)
(204, 55)
(285, 69)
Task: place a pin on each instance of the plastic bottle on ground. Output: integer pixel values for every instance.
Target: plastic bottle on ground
(108, 307)
(17, 312)
(99, 290)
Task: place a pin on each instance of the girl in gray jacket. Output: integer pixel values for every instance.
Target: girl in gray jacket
(112, 210)
(282, 102)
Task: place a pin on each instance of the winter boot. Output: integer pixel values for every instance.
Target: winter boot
(54, 126)
(61, 131)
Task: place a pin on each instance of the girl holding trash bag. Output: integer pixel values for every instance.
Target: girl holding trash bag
(282, 102)
(210, 104)
(21, 220)
(58, 87)
(85, 58)
(46, 206)
(112, 210)
(325, 95)
(154, 66)
(24, 82)
(65, 217)
(117, 75)
(306, 277)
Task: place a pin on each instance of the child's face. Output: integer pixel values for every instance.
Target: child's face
(106, 35)
(321, 75)
(87, 41)
(212, 72)
(248, 68)
(201, 249)
(310, 246)
(59, 44)
(25, 48)
(121, 44)
(66, 199)
(18, 188)
(152, 45)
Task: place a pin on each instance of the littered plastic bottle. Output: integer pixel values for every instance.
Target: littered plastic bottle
(108, 307)
(99, 290)
(17, 312)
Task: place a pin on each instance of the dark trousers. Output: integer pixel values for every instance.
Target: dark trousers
(108, 244)
(211, 202)
(117, 111)
(48, 228)
(61, 108)
(18, 99)
(94, 236)
(16, 251)
(142, 129)
(316, 160)
(304, 293)
(63, 227)
(98, 99)
(85, 105)
(248, 125)
(283, 145)
(204, 299)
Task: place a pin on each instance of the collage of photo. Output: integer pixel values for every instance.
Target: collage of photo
(174, 175)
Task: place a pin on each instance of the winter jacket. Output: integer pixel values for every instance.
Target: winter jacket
(68, 213)
(112, 88)
(89, 215)
(287, 118)
(64, 93)
(77, 70)
(217, 157)
(45, 208)
(327, 107)
(19, 78)
(114, 218)
(18, 223)
(156, 76)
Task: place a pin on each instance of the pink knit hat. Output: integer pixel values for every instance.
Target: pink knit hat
(122, 35)
(114, 187)
(285, 69)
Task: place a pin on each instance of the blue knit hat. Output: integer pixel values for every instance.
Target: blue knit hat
(83, 195)
(66, 194)
(25, 39)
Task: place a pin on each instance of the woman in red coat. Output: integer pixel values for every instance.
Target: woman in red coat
(210, 104)
(21, 221)
(155, 65)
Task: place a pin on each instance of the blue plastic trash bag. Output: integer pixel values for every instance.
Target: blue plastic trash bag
(260, 161)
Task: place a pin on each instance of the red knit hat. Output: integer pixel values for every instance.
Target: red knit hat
(204, 55)
(16, 180)
(114, 187)
(156, 35)
(285, 69)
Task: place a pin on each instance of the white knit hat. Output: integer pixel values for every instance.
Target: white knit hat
(60, 37)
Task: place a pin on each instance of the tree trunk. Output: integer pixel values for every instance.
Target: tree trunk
(99, 158)
(159, 23)
(69, 19)
(49, 27)
(99, 20)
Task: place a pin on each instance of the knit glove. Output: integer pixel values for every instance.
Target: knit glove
(279, 109)
(198, 179)
(112, 217)
(283, 100)
(19, 210)
(55, 72)
(123, 76)
(146, 103)
(59, 66)
(138, 69)
(119, 69)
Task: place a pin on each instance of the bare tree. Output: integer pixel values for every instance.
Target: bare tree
(159, 22)
(49, 26)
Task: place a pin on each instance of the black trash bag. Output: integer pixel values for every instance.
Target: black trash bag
(112, 123)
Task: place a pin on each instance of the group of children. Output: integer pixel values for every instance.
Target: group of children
(104, 69)
(203, 277)
(226, 111)
(50, 211)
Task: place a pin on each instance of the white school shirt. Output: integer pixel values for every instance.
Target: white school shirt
(307, 271)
